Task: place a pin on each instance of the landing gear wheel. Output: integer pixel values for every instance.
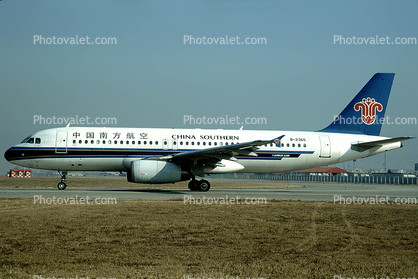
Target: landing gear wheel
(193, 185)
(61, 186)
(204, 185)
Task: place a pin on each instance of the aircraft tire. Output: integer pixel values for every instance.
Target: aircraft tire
(61, 186)
(204, 185)
(193, 185)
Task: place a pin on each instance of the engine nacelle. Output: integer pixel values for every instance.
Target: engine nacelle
(155, 172)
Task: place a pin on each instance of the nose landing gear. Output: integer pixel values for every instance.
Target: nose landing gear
(61, 185)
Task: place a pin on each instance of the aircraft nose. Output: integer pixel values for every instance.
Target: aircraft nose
(8, 154)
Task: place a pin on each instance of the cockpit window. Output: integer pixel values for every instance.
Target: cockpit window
(37, 140)
(26, 140)
(31, 140)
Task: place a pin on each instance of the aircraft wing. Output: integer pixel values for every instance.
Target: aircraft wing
(218, 153)
(370, 144)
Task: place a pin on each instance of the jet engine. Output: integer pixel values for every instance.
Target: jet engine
(155, 172)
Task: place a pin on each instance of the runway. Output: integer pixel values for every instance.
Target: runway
(312, 191)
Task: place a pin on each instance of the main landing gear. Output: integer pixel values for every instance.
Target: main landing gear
(201, 185)
(62, 185)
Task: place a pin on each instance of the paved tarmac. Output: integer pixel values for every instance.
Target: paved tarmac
(313, 191)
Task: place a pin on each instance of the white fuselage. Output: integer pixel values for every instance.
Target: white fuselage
(113, 149)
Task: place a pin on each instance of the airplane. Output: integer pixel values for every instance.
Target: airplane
(154, 156)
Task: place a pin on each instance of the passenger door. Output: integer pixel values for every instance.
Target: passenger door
(325, 151)
(61, 142)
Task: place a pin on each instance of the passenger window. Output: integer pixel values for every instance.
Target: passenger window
(80, 141)
(98, 141)
(86, 141)
(293, 145)
(74, 141)
(121, 142)
(133, 142)
(198, 143)
(287, 145)
(109, 142)
(104, 142)
(139, 142)
(204, 143)
(127, 142)
(92, 141)
(156, 143)
(145, 142)
(187, 143)
(304, 145)
(210, 143)
(215, 143)
(116, 142)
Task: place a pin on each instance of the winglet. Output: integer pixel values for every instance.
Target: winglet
(277, 141)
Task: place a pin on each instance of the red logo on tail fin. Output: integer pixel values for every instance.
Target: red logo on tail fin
(368, 109)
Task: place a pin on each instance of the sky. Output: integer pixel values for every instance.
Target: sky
(298, 79)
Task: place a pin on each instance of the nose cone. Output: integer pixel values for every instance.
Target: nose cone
(8, 155)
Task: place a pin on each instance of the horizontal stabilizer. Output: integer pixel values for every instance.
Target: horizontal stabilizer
(371, 144)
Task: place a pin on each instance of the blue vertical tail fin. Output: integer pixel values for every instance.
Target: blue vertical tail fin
(365, 113)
